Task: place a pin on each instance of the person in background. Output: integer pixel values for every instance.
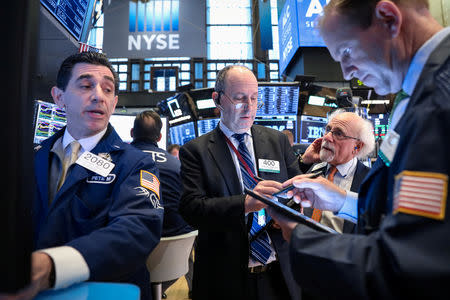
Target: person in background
(174, 149)
(146, 133)
(402, 250)
(347, 137)
(231, 261)
(92, 221)
(289, 135)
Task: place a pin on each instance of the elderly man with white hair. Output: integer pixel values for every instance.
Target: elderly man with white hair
(347, 137)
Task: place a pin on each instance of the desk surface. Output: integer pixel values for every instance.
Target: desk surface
(93, 291)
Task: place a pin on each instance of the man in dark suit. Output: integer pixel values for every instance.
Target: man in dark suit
(335, 155)
(402, 250)
(215, 168)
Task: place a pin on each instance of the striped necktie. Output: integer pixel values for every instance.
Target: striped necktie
(317, 213)
(260, 248)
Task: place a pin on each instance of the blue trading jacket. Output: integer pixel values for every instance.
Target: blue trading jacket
(114, 222)
(171, 187)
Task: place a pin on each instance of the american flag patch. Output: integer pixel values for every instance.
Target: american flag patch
(421, 193)
(150, 181)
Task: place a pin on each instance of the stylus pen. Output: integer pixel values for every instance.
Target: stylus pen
(291, 186)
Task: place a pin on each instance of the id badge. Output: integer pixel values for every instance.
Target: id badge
(388, 147)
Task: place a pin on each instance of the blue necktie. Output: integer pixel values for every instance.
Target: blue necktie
(260, 248)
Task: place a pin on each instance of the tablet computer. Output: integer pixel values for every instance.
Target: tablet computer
(291, 213)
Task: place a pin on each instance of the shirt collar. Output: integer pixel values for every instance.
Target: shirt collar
(228, 132)
(420, 58)
(87, 144)
(346, 168)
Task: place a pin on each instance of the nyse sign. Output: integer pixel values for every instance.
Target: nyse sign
(308, 12)
(288, 33)
(154, 28)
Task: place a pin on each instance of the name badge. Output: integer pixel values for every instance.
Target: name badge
(388, 147)
(267, 165)
(95, 163)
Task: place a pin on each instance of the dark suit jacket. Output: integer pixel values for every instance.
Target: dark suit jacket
(212, 201)
(360, 173)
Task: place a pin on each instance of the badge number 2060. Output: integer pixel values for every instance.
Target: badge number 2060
(95, 163)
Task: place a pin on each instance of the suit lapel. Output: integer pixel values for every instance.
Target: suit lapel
(219, 151)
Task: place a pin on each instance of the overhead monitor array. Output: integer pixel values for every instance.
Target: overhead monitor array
(74, 16)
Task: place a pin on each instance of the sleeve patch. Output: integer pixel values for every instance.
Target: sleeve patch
(150, 181)
(421, 193)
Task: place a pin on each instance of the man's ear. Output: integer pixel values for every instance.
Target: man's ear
(390, 16)
(131, 133)
(160, 137)
(216, 98)
(57, 96)
(358, 146)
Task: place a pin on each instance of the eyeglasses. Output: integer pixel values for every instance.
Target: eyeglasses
(240, 104)
(337, 134)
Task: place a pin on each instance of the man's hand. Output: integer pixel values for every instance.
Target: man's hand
(318, 193)
(41, 267)
(266, 188)
(286, 224)
(312, 153)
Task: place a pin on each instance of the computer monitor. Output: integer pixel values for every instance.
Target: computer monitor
(123, 124)
(320, 101)
(206, 125)
(74, 16)
(380, 124)
(48, 119)
(311, 128)
(279, 123)
(182, 133)
(279, 98)
(177, 109)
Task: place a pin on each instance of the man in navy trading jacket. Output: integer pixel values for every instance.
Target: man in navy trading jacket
(402, 250)
(146, 133)
(96, 213)
(231, 262)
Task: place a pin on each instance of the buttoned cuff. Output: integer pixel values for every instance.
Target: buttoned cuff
(70, 266)
(349, 210)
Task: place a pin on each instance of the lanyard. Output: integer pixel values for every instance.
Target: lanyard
(241, 159)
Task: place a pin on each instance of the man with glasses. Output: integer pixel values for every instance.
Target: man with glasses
(402, 249)
(347, 137)
(232, 261)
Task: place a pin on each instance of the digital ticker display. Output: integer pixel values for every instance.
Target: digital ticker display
(181, 134)
(49, 119)
(279, 123)
(278, 100)
(311, 128)
(71, 14)
(206, 125)
(380, 124)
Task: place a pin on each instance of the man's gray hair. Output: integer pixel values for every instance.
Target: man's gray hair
(364, 133)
